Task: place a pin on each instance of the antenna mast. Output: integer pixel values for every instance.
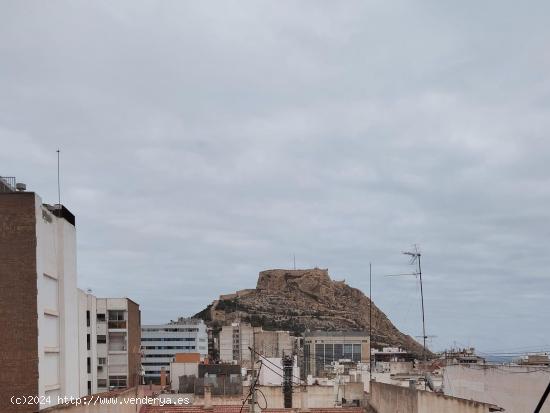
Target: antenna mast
(370, 323)
(415, 257)
(58, 182)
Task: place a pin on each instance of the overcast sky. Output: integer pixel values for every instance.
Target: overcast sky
(203, 142)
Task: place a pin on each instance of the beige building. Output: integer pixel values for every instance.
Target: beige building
(321, 348)
(235, 341)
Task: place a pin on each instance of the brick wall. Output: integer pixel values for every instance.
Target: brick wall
(18, 307)
(134, 344)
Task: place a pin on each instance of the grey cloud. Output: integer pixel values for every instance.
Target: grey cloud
(203, 143)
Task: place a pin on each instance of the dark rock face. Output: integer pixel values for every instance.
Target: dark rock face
(300, 300)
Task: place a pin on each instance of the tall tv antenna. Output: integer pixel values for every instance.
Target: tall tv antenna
(58, 182)
(370, 323)
(415, 259)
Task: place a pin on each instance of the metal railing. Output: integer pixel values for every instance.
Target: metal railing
(117, 324)
(7, 183)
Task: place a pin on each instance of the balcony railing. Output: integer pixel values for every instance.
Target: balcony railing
(7, 184)
(117, 324)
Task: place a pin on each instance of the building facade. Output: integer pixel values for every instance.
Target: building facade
(110, 357)
(38, 301)
(161, 342)
(237, 338)
(321, 348)
(43, 321)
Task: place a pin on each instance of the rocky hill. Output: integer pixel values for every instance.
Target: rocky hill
(300, 300)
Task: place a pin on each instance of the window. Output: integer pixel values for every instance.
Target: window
(101, 383)
(117, 382)
(101, 339)
(356, 352)
(348, 351)
(101, 318)
(88, 320)
(338, 351)
(307, 358)
(319, 358)
(101, 361)
(116, 315)
(117, 341)
(89, 387)
(117, 319)
(88, 341)
(89, 365)
(329, 357)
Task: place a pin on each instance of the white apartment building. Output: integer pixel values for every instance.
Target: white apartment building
(160, 343)
(39, 323)
(110, 357)
(43, 314)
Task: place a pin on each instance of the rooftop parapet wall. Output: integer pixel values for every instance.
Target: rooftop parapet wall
(388, 398)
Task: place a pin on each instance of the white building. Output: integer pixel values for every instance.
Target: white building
(38, 299)
(110, 356)
(43, 314)
(160, 343)
(271, 373)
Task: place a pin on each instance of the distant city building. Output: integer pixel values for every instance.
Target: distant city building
(44, 320)
(537, 359)
(461, 356)
(237, 339)
(391, 354)
(161, 342)
(183, 364)
(222, 379)
(111, 352)
(321, 348)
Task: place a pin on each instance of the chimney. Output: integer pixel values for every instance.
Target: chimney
(163, 377)
(207, 396)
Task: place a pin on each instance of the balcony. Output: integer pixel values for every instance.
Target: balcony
(117, 342)
(117, 324)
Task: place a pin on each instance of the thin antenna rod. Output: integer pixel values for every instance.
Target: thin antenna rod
(58, 181)
(415, 257)
(370, 323)
(294, 261)
(422, 299)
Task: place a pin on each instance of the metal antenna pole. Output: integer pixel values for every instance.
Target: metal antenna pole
(370, 323)
(422, 300)
(58, 182)
(415, 257)
(254, 380)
